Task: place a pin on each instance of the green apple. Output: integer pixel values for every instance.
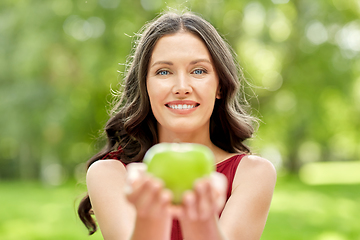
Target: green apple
(179, 165)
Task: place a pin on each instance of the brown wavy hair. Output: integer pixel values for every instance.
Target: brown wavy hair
(132, 125)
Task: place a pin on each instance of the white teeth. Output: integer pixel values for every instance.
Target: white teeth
(180, 106)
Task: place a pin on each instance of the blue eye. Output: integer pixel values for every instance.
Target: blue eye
(163, 72)
(199, 71)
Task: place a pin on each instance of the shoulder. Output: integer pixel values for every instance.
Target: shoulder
(255, 169)
(105, 170)
(256, 163)
(107, 165)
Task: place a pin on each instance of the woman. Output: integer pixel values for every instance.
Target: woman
(182, 85)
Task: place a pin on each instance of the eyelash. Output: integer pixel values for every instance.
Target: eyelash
(162, 70)
(199, 69)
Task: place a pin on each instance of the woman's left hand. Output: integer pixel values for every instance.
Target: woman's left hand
(206, 200)
(199, 212)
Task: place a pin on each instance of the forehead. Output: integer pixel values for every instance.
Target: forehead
(178, 45)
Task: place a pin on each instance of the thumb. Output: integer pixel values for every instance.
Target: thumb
(134, 172)
(219, 182)
(220, 185)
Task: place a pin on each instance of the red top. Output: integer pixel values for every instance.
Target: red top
(227, 167)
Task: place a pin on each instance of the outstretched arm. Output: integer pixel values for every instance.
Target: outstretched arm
(246, 211)
(244, 214)
(146, 217)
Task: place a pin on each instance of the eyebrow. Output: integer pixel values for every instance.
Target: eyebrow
(162, 62)
(200, 60)
(191, 63)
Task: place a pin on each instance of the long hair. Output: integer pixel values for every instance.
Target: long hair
(132, 126)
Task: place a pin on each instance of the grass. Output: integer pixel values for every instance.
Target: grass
(322, 212)
(30, 211)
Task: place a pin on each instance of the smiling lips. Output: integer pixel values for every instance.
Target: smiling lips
(182, 106)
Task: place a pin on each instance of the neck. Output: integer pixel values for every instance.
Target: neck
(198, 137)
(181, 137)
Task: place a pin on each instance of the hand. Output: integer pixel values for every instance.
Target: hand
(206, 200)
(146, 193)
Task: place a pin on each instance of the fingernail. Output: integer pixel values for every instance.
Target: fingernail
(128, 189)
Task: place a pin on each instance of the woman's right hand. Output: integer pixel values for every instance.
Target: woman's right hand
(152, 203)
(148, 195)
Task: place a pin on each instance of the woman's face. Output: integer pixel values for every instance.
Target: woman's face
(182, 85)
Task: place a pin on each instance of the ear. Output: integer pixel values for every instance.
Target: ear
(218, 93)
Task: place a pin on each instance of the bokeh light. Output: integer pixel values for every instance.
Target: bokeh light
(272, 80)
(53, 174)
(348, 38)
(316, 33)
(310, 151)
(82, 29)
(285, 101)
(330, 173)
(273, 153)
(254, 18)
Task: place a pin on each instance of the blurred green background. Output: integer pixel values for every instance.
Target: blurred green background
(59, 58)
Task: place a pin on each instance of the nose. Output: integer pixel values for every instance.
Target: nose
(182, 87)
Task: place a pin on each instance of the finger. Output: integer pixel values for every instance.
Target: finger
(160, 200)
(219, 181)
(213, 195)
(163, 199)
(135, 188)
(147, 202)
(166, 196)
(135, 171)
(220, 185)
(189, 206)
(203, 195)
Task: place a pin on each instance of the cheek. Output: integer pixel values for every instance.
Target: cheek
(155, 94)
(157, 89)
(210, 89)
(151, 90)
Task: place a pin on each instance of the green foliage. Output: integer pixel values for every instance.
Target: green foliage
(58, 59)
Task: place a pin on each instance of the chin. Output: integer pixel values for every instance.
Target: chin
(185, 129)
